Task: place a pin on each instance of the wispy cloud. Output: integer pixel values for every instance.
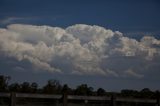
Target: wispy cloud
(30, 19)
(132, 73)
(10, 20)
(19, 69)
(142, 33)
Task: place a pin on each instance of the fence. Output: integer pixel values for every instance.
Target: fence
(65, 99)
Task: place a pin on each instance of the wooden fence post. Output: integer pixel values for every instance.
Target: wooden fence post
(86, 102)
(158, 98)
(57, 102)
(158, 102)
(64, 99)
(113, 100)
(13, 99)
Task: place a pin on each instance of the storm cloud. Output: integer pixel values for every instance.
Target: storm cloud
(80, 49)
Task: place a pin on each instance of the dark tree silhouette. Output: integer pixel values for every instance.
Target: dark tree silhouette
(65, 88)
(4, 82)
(129, 93)
(146, 92)
(15, 87)
(52, 87)
(84, 90)
(25, 87)
(101, 92)
(34, 87)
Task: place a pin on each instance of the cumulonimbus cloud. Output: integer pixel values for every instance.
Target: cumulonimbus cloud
(83, 49)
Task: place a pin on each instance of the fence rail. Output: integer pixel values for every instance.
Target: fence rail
(65, 98)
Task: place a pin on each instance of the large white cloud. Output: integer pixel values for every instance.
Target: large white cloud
(86, 49)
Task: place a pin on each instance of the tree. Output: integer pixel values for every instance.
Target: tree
(84, 90)
(129, 93)
(25, 87)
(15, 87)
(4, 82)
(53, 86)
(101, 92)
(34, 87)
(65, 88)
(145, 90)
(146, 93)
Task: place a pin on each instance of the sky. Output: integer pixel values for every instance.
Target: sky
(112, 44)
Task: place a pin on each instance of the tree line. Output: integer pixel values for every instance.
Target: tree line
(54, 87)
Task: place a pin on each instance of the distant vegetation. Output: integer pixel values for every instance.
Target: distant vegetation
(54, 87)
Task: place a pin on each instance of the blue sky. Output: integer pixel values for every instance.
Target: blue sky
(120, 15)
(135, 19)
